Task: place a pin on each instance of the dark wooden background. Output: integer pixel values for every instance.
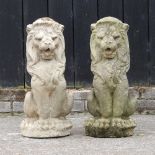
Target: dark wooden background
(76, 15)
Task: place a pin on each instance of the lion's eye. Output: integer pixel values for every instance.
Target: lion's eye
(54, 37)
(38, 38)
(100, 37)
(116, 37)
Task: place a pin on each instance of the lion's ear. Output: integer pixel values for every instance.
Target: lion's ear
(61, 28)
(92, 27)
(28, 28)
(126, 27)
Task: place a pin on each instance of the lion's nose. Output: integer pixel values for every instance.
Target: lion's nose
(47, 43)
(109, 41)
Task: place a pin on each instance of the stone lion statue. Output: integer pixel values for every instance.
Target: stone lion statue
(48, 101)
(110, 99)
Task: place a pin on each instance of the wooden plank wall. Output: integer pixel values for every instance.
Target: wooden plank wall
(11, 44)
(151, 25)
(85, 13)
(136, 15)
(32, 10)
(76, 16)
(61, 11)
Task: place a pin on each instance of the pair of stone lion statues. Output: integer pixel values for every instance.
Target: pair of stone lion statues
(48, 102)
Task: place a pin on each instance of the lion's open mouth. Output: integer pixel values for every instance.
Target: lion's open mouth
(47, 54)
(47, 50)
(108, 49)
(109, 53)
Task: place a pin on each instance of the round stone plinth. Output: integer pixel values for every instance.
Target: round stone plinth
(114, 127)
(52, 127)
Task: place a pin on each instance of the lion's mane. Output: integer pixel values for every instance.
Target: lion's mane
(123, 58)
(31, 51)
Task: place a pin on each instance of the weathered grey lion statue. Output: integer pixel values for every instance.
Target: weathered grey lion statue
(47, 104)
(110, 102)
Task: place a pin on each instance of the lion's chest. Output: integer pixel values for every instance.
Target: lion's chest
(108, 70)
(47, 67)
(46, 70)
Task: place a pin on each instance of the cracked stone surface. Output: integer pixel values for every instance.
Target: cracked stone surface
(141, 143)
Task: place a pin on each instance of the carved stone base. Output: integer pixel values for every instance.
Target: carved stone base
(114, 127)
(52, 127)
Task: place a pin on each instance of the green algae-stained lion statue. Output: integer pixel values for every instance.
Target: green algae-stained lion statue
(110, 101)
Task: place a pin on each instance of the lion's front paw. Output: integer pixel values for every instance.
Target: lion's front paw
(123, 123)
(117, 122)
(102, 123)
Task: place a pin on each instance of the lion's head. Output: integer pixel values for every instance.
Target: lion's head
(109, 40)
(45, 41)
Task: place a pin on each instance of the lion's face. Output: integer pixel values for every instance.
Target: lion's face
(46, 42)
(108, 40)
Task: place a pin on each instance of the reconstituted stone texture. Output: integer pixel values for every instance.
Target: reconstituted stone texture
(110, 100)
(48, 102)
(105, 128)
(141, 143)
(52, 127)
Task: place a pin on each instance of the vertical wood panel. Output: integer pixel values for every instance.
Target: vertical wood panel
(76, 16)
(85, 13)
(32, 10)
(61, 11)
(11, 44)
(152, 41)
(110, 8)
(136, 15)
